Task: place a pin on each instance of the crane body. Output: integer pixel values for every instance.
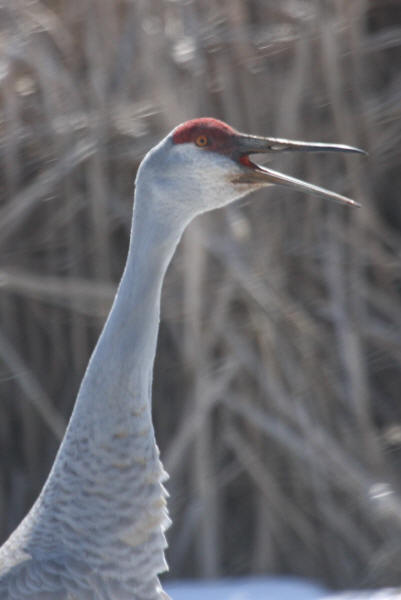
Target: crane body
(97, 528)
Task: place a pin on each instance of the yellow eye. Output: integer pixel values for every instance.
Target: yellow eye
(201, 141)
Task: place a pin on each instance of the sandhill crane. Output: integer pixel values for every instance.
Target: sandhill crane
(97, 528)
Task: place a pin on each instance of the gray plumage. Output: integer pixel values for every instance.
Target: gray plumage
(96, 532)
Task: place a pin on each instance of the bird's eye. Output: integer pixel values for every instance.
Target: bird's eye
(201, 141)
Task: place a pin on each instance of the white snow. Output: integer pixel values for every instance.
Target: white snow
(246, 588)
(267, 588)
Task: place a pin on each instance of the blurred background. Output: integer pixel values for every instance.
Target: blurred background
(278, 375)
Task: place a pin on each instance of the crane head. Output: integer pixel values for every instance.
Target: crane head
(204, 164)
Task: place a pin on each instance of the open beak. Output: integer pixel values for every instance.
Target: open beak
(253, 173)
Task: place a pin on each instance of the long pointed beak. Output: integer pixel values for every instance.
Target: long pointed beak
(253, 173)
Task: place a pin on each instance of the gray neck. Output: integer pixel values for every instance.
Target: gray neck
(109, 458)
(122, 362)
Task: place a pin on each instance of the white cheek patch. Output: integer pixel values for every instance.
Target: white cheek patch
(186, 179)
